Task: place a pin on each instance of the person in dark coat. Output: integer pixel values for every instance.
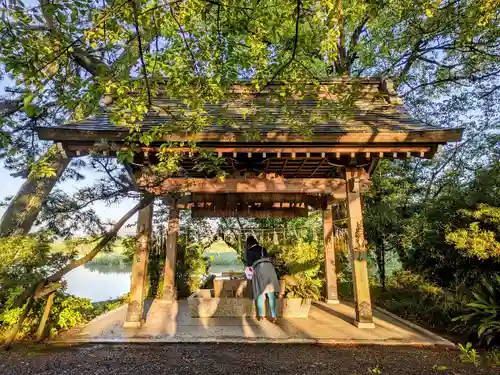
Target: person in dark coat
(264, 280)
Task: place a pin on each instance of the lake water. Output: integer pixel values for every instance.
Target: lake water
(101, 282)
(96, 284)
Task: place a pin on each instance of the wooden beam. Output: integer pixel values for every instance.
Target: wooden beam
(119, 134)
(249, 197)
(233, 199)
(292, 151)
(236, 185)
(222, 206)
(284, 213)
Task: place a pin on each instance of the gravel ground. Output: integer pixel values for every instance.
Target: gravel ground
(231, 359)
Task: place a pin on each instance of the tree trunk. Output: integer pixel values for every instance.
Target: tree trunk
(15, 329)
(383, 275)
(380, 251)
(45, 317)
(24, 208)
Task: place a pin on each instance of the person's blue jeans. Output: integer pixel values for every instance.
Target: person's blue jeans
(261, 303)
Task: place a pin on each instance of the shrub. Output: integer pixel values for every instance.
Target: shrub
(415, 298)
(300, 263)
(494, 357)
(25, 260)
(190, 270)
(67, 312)
(469, 355)
(482, 314)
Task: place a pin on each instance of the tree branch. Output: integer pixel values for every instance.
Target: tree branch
(141, 53)
(489, 92)
(88, 62)
(341, 44)
(184, 38)
(9, 107)
(411, 59)
(455, 79)
(294, 51)
(355, 40)
(430, 61)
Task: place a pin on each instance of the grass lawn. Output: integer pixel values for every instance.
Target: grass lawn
(61, 246)
(220, 247)
(116, 258)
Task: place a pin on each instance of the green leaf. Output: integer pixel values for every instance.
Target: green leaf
(62, 18)
(30, 110)
(28, 99)
(74, 15)
(481, 306)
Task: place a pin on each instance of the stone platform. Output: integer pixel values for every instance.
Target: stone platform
(327, 324)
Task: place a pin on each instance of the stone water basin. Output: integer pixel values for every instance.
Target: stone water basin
(232, 299)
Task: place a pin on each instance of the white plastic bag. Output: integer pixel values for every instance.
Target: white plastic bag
(249, 273)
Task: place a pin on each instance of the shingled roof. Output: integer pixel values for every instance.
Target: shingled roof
(357, 111)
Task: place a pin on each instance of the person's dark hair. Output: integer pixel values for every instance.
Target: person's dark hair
(251, 241)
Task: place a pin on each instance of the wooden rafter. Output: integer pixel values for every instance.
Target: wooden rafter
(319, 166)
(266, 167)
(284, 166)
(301, 166)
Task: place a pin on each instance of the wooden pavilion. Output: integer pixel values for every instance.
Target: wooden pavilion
(281, 157)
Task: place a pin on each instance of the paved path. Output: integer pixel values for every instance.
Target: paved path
(330, 324)
(237, 359)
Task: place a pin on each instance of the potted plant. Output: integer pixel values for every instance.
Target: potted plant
(300, 291)
(301, 284)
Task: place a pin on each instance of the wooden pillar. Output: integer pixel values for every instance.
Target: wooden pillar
(169, 292)
(357, 246)
(330, 273)
(138, 284)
